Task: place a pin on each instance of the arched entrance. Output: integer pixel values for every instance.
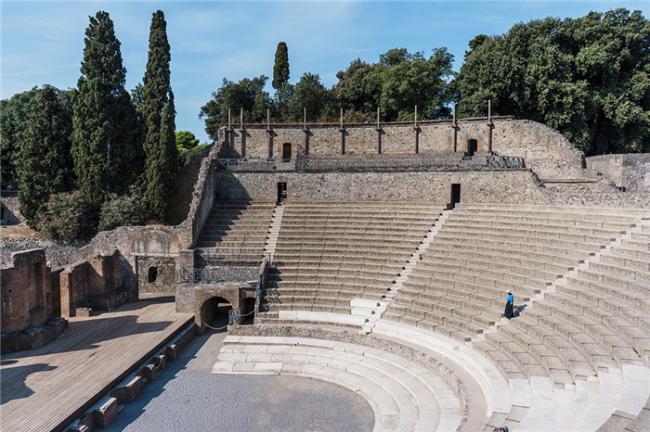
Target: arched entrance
(215, 312)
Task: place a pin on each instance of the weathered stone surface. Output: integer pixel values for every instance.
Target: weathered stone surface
(544, 149)
(628, 171)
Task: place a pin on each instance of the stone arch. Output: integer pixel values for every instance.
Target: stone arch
(206, 293)
(214, 311)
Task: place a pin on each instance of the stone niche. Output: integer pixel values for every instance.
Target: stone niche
(102, 282)
(156, 274)
(27, 318)
(156, 251)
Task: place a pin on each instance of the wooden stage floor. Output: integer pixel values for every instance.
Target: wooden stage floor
(42, 388)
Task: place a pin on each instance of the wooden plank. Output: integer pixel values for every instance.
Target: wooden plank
(52, 385)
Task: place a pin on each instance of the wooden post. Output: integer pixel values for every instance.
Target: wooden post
(241, 118)
(268, 118)
(341, 117)
(304, 118)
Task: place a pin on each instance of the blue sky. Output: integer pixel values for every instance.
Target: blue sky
(42, 42)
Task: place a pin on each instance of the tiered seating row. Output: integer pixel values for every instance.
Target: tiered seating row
(329, 253)
(458, 288)
(235, 233)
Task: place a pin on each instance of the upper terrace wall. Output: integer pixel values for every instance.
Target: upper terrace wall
(545, 150)
(476, 186)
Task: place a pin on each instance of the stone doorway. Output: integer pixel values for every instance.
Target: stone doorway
(282, 192)
(286, 152)
(455, 195)
(472, 147)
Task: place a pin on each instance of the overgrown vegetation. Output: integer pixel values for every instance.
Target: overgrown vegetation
(67, 216)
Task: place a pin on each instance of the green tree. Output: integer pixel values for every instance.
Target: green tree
(398, 82)
(416, 81)
(103, 138)
(13, 123)
(158, 108)
(587, 77)
(281, 66)
(43, 161)
(247, 94)
(185, 140)
(311, 94)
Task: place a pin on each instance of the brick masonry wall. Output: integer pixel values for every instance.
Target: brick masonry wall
(26, 291)
(545, 150)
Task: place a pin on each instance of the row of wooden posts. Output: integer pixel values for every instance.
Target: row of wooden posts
(379, 129)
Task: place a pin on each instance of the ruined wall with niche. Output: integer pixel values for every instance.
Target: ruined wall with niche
(545, 150)
(102, 282)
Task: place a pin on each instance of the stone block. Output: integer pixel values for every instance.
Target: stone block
(106, 413)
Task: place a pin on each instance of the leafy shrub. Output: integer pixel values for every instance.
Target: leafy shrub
(65, 216)
(121, 210)
(187, 155)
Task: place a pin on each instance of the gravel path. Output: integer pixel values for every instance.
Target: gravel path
(188, 397)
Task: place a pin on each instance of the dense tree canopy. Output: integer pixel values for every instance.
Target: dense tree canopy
(587, 77)
(247, 94)
(159, 113)
(43, 162)
(310, 94)
(104, 133)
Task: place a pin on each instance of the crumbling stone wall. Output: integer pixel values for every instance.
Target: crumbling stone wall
(183, 187)
(101, 282)
(156, 274)
(27, 312)
(629, 171)
(545, 150)
(26, 294)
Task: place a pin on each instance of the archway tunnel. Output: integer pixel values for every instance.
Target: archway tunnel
(214, 312)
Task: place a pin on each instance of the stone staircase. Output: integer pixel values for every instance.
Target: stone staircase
(372, 311)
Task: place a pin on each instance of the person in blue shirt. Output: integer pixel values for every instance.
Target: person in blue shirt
(510, 304)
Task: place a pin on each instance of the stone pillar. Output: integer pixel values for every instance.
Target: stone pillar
(242, 132)
(305, 129)
(342, 130)
(380, 131)
(269, 131)
(490, 125)
(454, 126)
(416, 128)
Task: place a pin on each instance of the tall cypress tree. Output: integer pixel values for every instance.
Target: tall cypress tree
(43, 163)
(102, 142)
(158, 108)
(281, 66)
